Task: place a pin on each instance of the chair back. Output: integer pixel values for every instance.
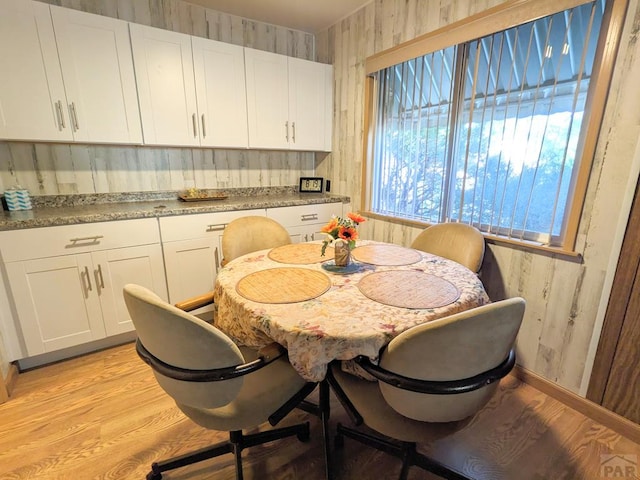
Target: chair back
(182, 340)
(459, 242)
(452, 348)
(250, 234)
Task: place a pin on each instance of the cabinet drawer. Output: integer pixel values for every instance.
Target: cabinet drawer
(202, 225)
(304, 214)
(72, 239)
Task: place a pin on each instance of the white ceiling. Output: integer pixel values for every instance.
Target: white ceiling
(307, 15)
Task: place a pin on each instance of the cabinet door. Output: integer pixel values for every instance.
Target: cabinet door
(267, 99)
(220, 93)
(56, 302)
(303, 222)
(191, 267)
(32, 98)
(306, 233)
(97, 67)
(166, 89)
(310, 104)
(113, 269)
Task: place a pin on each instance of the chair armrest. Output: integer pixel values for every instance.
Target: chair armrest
(271, 352)
(209, 375)
(193, 303)
(439, 387)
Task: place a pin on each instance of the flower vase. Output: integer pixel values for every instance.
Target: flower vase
(342, 254)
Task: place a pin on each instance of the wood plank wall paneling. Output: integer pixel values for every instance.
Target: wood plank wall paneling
(52, 169)
(563, 295)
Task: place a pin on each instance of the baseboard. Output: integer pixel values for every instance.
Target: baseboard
(28, 363)
(588, 408)
(7, 384)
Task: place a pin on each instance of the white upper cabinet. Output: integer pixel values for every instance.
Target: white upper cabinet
(267, 99)
(220, 93)
(66, 79)
(310, 104)
(95, 55)
(191, 90)
(289, 102)
(166, 88)
(32, 98)
(67, 75)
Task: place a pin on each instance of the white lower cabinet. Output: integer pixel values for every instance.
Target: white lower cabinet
(192, 266)
(304, 222)
(114, 269)
(54, 302)
(193, 250)
(63, 299)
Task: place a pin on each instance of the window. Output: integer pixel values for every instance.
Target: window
(490, 131)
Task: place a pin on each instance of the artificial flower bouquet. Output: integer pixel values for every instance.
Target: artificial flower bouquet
(342, 228)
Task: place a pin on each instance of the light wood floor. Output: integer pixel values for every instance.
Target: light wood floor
(102, 416)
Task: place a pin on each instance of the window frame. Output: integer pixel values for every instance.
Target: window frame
(507, 15)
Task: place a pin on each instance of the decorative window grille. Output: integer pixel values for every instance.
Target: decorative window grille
(488, 132)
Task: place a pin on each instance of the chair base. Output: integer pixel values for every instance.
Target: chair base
(406, 451)
(323, 411)
(237, 442)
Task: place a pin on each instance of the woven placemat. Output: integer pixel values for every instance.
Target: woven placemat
(386, 255)
(300, 253)
(408, 289)
(283, 285)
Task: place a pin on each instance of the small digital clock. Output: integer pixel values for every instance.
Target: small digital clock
(311, 184)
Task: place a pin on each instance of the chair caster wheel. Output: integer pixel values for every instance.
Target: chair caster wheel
(155, 473)
(304, 435)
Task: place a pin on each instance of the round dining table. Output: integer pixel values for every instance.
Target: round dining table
(320, 312)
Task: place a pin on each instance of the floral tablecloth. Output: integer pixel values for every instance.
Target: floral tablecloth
(339, 324)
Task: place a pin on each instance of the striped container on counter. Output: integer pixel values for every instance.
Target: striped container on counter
(17, 199)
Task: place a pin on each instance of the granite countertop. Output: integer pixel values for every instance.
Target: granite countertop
(52, 210)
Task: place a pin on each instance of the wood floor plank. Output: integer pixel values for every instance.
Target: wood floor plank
(103, 416)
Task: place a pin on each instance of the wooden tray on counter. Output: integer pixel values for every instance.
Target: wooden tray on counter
(202, 197)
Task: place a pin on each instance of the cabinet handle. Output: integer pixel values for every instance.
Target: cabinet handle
(86, 275)
(293, 127)
(85, 241)
(216, 259)
(216, 228)
(73, 117)
(195, 125)
(308, 216)
(59, 115)
(99, 277)
(313, 236)
(204, 130)
(286, 129)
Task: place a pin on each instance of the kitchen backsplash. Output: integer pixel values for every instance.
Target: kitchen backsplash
(62, 169)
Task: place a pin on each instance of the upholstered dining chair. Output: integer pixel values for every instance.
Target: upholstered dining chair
(243, 235)
(459, 242)
(250, 234)
(432, 379)
(215, 383)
